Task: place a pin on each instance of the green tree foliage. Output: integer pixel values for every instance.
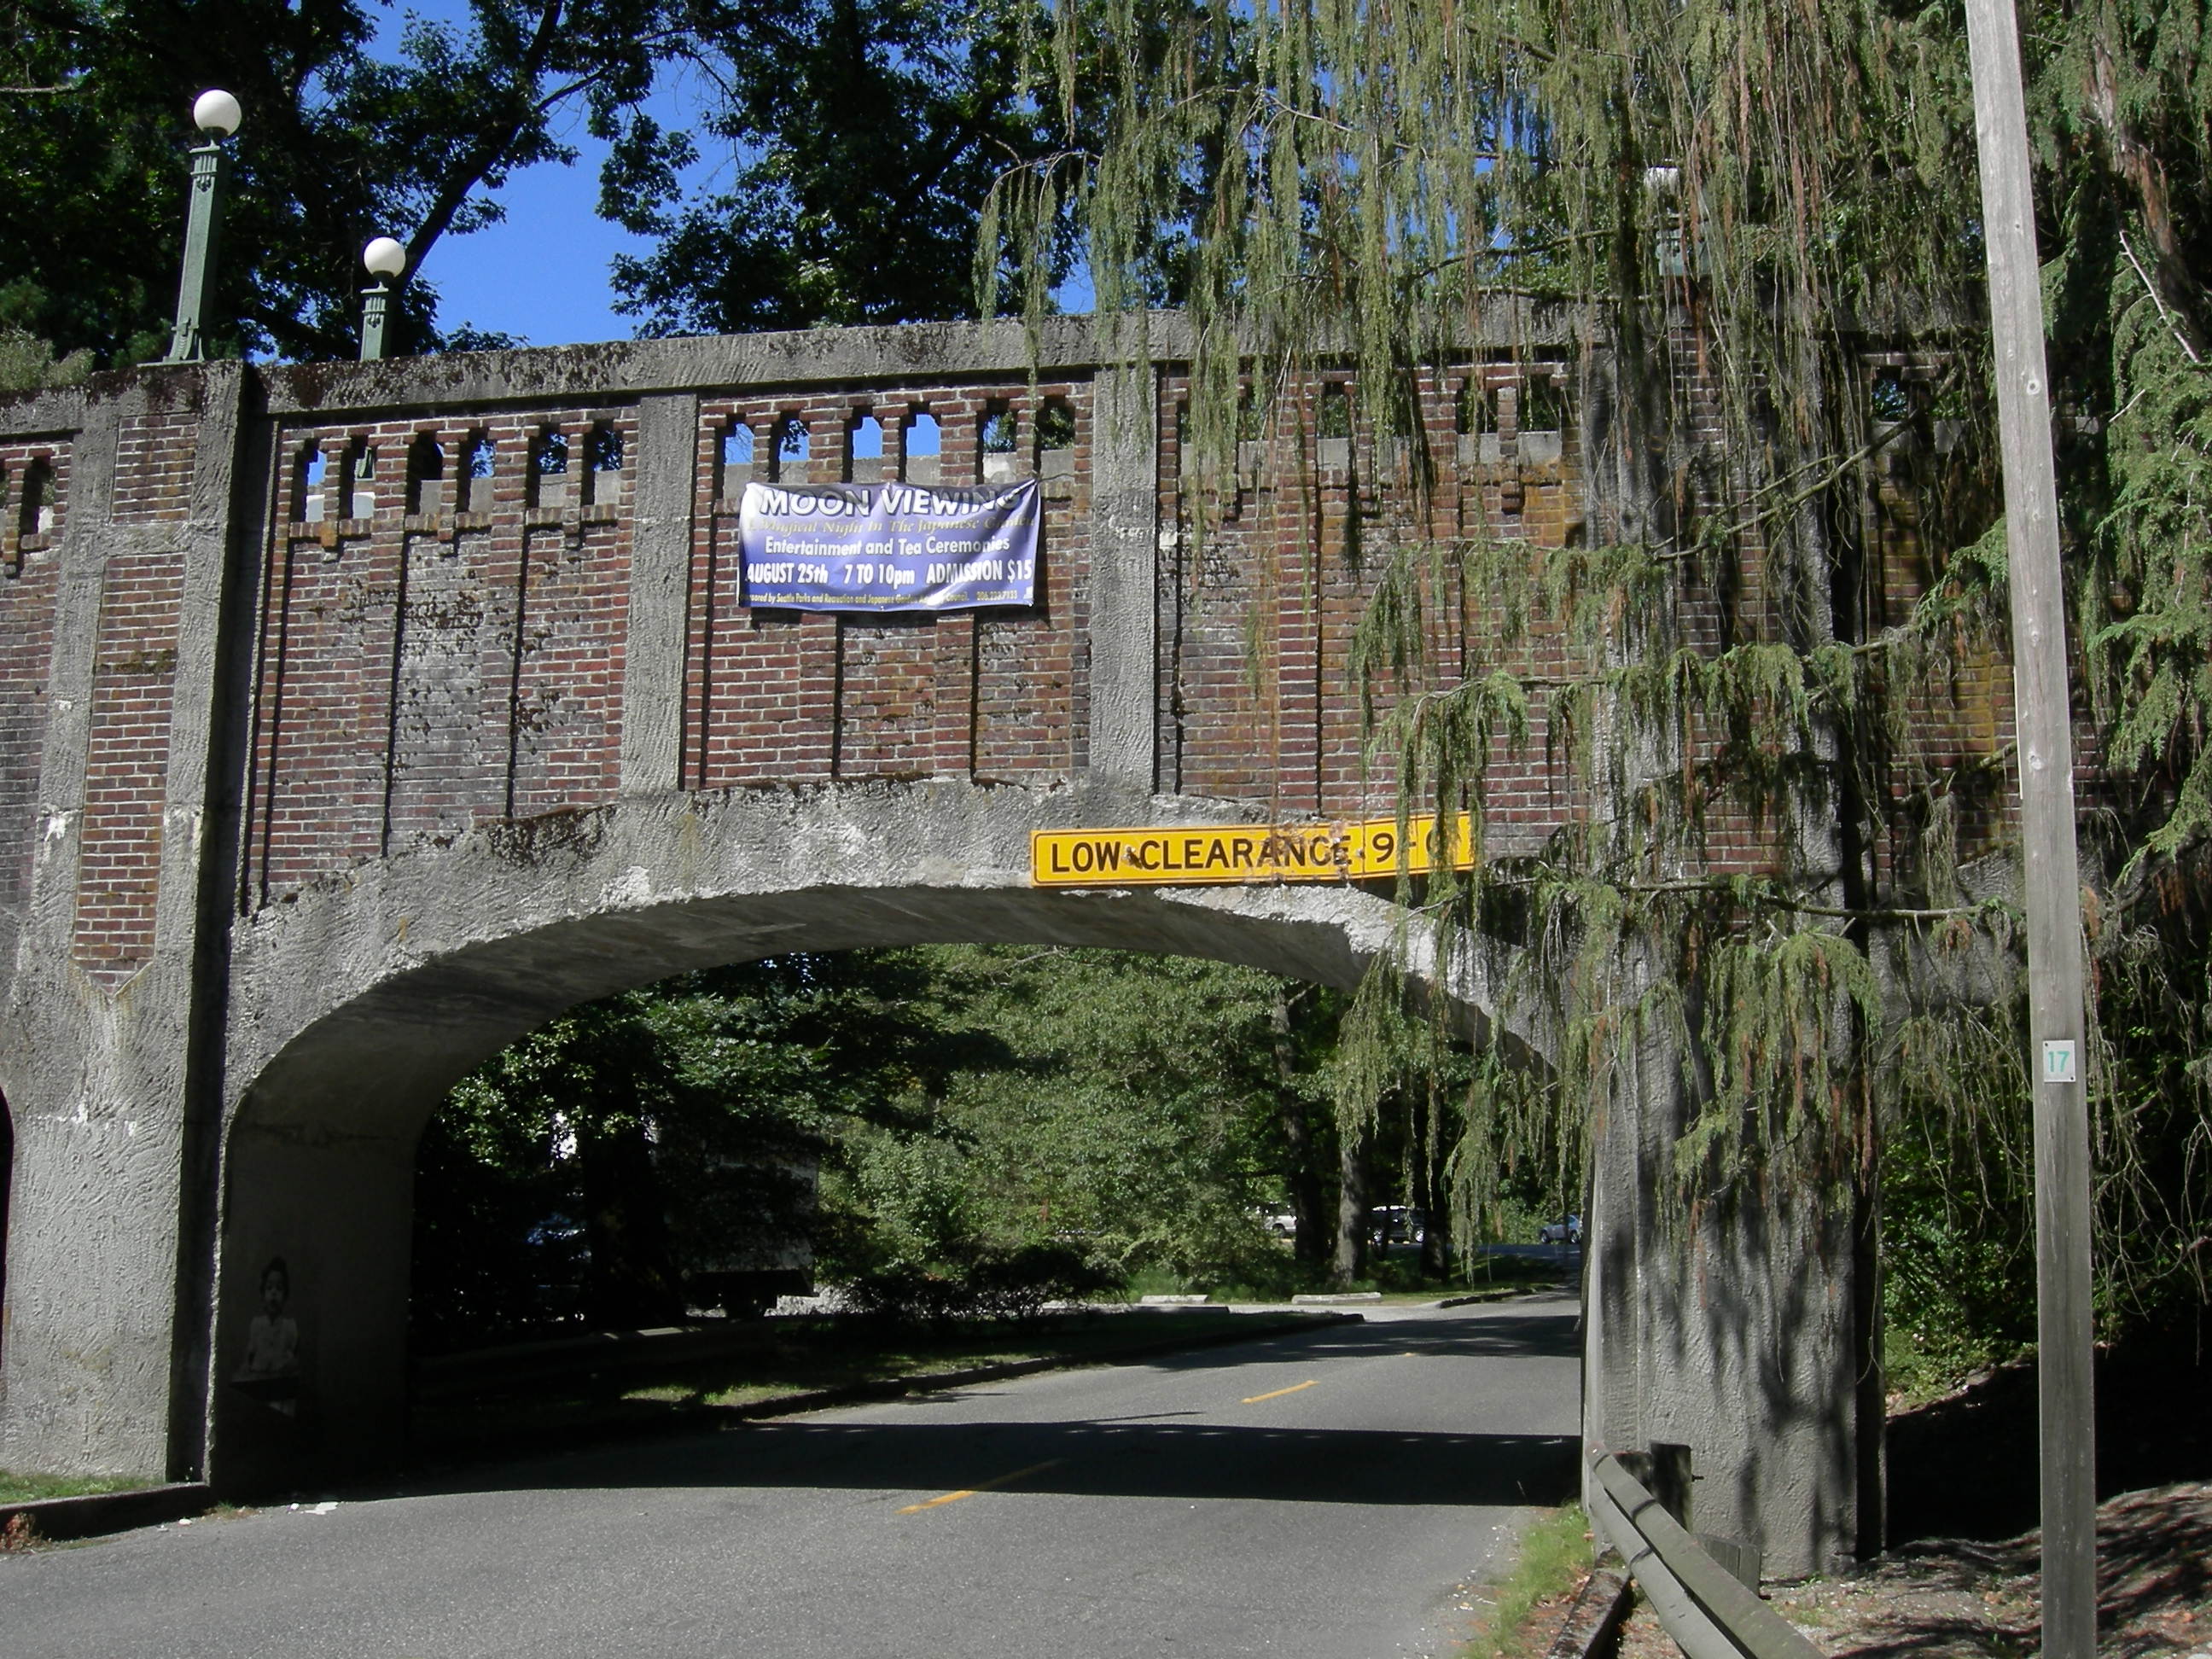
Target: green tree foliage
(984, 1121)
(664, 1133)
(1731, 206)
(337, 146)
(1145, 1110)
(863, 136)
(26, 363)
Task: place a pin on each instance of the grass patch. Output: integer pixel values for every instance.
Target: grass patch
(1918, 1365)
(1555, 1553)
(16, 1488)
(1394, 1272)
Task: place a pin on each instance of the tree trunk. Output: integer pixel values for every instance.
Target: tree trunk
(1309, 1239)
(1351, 1208)
(1429, 1195)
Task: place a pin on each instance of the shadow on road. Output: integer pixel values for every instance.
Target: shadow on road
(1133, 1458)
(1533, 1335)
(1143, 1456)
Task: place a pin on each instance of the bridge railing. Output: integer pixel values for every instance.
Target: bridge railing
(1706, 1607)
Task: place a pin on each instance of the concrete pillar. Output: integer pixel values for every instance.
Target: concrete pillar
(659, 594)
(1124, 575)
(105, 1031)
(1735, 1331)
(311, 1367)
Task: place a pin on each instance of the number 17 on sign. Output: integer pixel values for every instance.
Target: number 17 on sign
(2058, 1065)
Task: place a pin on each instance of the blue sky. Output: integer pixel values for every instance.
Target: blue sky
(543, 271)
(540, 273)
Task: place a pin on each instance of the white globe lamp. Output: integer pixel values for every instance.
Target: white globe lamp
(216, 112)
(384, 257)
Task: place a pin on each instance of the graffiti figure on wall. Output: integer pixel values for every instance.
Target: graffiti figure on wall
(270, 1372)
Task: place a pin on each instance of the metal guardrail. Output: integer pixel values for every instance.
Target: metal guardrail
(1708, 1611)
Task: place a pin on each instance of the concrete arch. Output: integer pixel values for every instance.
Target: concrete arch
(356, 1007)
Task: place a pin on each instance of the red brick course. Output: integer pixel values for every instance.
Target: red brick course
(774, 696)
(436, 650)
(134, 676)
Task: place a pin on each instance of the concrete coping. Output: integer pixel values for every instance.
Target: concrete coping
(605, 374)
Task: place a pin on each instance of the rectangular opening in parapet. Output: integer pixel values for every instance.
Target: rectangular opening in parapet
(864, 448)
(548, 469)
(1055, 438)
(733, 461)
(921, 448)
(794, 450)
(357, 480)
(426, 475)
(479, 460)
(1333, 426)
(604, 455)
(1335, 416)
(308, 472)
(1543, 405)
(999, 441)
(34, 501)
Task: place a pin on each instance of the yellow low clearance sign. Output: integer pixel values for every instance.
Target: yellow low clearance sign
(1244, 853)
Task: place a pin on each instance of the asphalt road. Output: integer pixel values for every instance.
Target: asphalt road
(1327, 1495)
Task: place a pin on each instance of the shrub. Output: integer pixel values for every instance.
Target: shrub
(994, 1282)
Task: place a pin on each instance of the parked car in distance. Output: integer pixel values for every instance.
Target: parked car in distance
(1395, 1223)
(1284, 1224)
(1568, 1230)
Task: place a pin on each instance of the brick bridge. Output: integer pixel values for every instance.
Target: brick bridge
(355, 719)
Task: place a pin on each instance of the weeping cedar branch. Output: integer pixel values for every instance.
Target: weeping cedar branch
(1761, 219)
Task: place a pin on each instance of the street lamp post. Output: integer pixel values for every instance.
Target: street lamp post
(384, 259)
(217, 114)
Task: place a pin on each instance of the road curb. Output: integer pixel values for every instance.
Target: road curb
(1503, 1294)
(55, 1520)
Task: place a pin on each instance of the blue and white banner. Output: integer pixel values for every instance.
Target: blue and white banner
(888, 547)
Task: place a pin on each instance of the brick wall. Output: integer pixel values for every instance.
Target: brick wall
(437, 647)
(134, 676)
(436, 653)
(773, 696)
(1962, 713)
(1260, 607)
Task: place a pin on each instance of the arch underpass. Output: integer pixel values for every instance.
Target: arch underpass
(372, 1015)
(353, 720)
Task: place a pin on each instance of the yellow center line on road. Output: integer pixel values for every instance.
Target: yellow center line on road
(1279, 1393)
(982, 1485)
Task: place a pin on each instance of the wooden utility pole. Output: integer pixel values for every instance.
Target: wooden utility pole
(2043, 713)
